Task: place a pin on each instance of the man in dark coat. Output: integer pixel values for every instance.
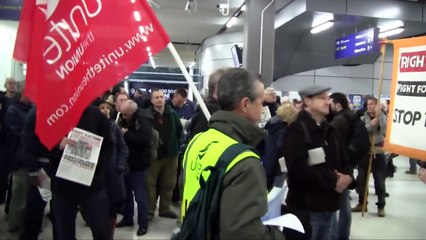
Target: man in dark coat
(35, 157)
(136, 125)
(13, 125)
(199, 122)
(318, 171)
(163, 170)
(6, 99)
(115, 170)
(341, 122)
(67, 196)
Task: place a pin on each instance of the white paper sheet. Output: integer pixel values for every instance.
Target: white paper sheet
(288, 220)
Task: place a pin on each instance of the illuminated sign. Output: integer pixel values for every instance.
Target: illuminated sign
(357, 44)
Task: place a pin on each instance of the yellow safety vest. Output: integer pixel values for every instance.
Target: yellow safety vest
(204, 150)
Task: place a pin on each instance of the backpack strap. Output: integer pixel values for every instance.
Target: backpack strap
(226, 158)
(232, 152)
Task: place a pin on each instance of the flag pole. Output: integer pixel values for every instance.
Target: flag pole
(194, 89)
(370, 159)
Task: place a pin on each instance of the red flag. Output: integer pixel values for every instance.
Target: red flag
(76, 50)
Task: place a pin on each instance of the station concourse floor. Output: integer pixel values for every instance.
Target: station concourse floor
(405, 214)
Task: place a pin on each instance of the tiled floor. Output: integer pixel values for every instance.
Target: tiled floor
(405, 215)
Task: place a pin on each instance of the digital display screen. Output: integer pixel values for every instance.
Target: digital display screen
(237, 56)
(359, 43)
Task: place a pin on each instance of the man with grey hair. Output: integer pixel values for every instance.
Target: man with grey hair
(199, 122)
(6, 98)
(271, 100)
(136, 125)
(13, 124)
(243, 200)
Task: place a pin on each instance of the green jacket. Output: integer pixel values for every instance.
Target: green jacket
(176, 131)
(244, 198)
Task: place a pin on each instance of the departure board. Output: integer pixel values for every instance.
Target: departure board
(356, 44)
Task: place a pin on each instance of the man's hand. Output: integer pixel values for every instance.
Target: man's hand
(343, 182)
(34, 181)
(374, 121)
(66, 141)
(124, 130)
(422, 174)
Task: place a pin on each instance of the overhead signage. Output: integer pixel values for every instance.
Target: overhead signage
(357, 44)
(10, 9)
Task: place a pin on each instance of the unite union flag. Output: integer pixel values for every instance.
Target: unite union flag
(77, 49)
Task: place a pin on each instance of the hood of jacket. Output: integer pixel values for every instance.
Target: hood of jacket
(275, 122)
(236, 127)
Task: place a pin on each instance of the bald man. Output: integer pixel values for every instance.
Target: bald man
(6, 99)
(136, 125)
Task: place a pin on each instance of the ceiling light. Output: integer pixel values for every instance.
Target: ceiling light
(391, 32)
(391, 25)
(151, 60)
(320, 18)
(322, 27)
(231, 22)
(191, 6)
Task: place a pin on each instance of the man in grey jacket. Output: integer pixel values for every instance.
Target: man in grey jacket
(375, 122)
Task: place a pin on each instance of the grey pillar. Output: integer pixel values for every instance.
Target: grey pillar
(258, 54)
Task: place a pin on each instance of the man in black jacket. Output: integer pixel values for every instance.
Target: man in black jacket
(342, 124)
(67, 196)
(13, 124)
(6, 99)
(136, 125)
(35, 157)
(318, 171)
(199, 122)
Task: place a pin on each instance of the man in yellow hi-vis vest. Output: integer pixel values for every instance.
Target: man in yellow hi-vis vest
(244, 196)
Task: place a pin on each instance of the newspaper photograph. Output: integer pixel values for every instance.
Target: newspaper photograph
(266, 115)
(78, 163)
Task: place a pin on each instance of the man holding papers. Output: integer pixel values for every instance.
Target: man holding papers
(318, 171)
(68, 195)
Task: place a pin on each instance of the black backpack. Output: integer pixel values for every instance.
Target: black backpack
(202, 217)
(358, 141)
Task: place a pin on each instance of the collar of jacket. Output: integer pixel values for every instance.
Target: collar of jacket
(236, 127)
(167, 110)
(310, 122)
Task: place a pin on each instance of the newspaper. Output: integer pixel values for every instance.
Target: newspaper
(266, 115)
(78, 163)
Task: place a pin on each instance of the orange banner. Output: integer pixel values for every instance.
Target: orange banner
(407, 113)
